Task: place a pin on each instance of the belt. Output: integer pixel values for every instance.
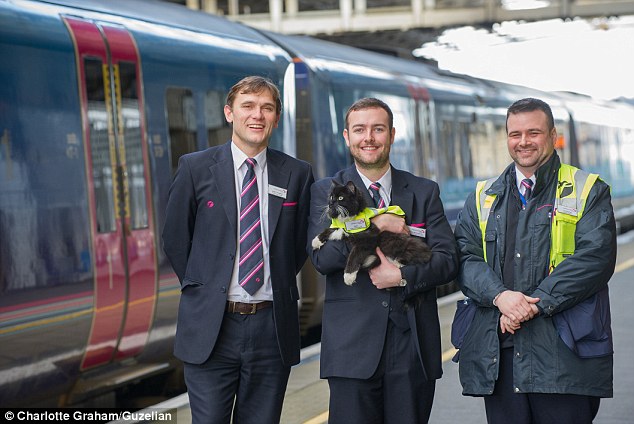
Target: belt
(247, 308)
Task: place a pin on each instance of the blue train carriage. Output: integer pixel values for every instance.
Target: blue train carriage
(488, 132)
(595, 135)
(330, 77)
(98, 102)
(603, 140)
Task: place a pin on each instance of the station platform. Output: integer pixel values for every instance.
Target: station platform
(307, 395)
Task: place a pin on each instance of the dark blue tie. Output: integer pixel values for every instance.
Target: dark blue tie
(251, 265)
(376, 195)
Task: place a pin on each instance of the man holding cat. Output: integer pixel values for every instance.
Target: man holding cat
(380, 346)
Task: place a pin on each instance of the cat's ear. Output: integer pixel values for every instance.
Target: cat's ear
(334, 184)
(350, 185)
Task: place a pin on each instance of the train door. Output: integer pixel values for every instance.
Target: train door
(117, 169)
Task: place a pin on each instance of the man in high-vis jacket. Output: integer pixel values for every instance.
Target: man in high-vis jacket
(538, 247)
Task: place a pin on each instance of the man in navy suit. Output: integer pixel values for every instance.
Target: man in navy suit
(235, 234)
(380, 347)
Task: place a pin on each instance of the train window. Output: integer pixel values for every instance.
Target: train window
(130, 124)
(244, 7)
(382, 3)
(425, 143)
(403, 153)
(102, 153)
(218, 130)
(307, 5)
(455, 161)
(181, 119)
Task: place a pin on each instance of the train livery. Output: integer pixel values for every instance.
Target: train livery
(98, 100)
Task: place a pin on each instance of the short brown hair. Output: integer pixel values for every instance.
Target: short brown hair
(255, 84)
(371, 103)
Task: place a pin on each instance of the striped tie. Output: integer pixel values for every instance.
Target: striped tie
(251, 265)
(376, 195)
(528, 188)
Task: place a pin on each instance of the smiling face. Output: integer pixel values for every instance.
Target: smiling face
(254, 116)
(530, 141)
(369, 137)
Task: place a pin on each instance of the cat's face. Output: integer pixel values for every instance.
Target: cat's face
(345, 200)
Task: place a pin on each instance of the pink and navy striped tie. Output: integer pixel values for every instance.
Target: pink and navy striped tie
(251, 265)
(376, 195)
(528, 188)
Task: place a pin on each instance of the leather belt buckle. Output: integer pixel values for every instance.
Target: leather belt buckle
(253, 310)
(246, 308)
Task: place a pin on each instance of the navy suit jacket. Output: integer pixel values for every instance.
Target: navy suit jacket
(355, 317)
(200, 240)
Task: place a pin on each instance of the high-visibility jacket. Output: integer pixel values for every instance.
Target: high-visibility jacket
(572, 191)
(543, 360)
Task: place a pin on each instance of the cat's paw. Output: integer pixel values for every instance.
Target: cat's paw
(316, 243)
(369, 261)
(338, 234)
(395, 262)
(350, 277)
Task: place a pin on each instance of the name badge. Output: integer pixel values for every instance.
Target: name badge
(277, 191)
(357, 224)
(418, 232)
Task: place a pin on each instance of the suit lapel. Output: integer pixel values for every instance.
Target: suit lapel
(401, 195)
(223, 177)
(278, 178)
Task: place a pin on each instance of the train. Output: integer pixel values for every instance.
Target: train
(98, 100)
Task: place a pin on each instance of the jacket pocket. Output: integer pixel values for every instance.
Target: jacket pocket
(465, 311)
(586, 327)
(190, 283)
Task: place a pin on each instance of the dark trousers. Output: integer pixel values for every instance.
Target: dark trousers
(505, 407)
(244, 375)
(397, 393)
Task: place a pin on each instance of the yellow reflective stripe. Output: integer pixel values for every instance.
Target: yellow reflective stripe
(484, 202)
(592, 178)
(564, 226)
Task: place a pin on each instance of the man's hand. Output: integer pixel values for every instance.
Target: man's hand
(517, 306)
(507, 325)
(385, 275)
(390, 222)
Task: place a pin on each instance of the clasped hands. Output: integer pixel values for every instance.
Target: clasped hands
(515, 308)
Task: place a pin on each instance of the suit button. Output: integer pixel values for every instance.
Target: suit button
(231, 256)
(385, 304)
(223, 289)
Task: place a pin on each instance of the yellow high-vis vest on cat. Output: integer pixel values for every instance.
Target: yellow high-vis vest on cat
(361, 221)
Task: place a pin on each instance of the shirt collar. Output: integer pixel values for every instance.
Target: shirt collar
(385, 181)
(239, 157)
(519, 177)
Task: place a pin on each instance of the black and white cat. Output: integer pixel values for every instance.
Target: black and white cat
(345, 202)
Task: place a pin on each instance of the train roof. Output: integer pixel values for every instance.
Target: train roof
(164, 13)
(323, 55)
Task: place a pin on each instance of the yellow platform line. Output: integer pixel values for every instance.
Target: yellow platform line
(319, 419)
